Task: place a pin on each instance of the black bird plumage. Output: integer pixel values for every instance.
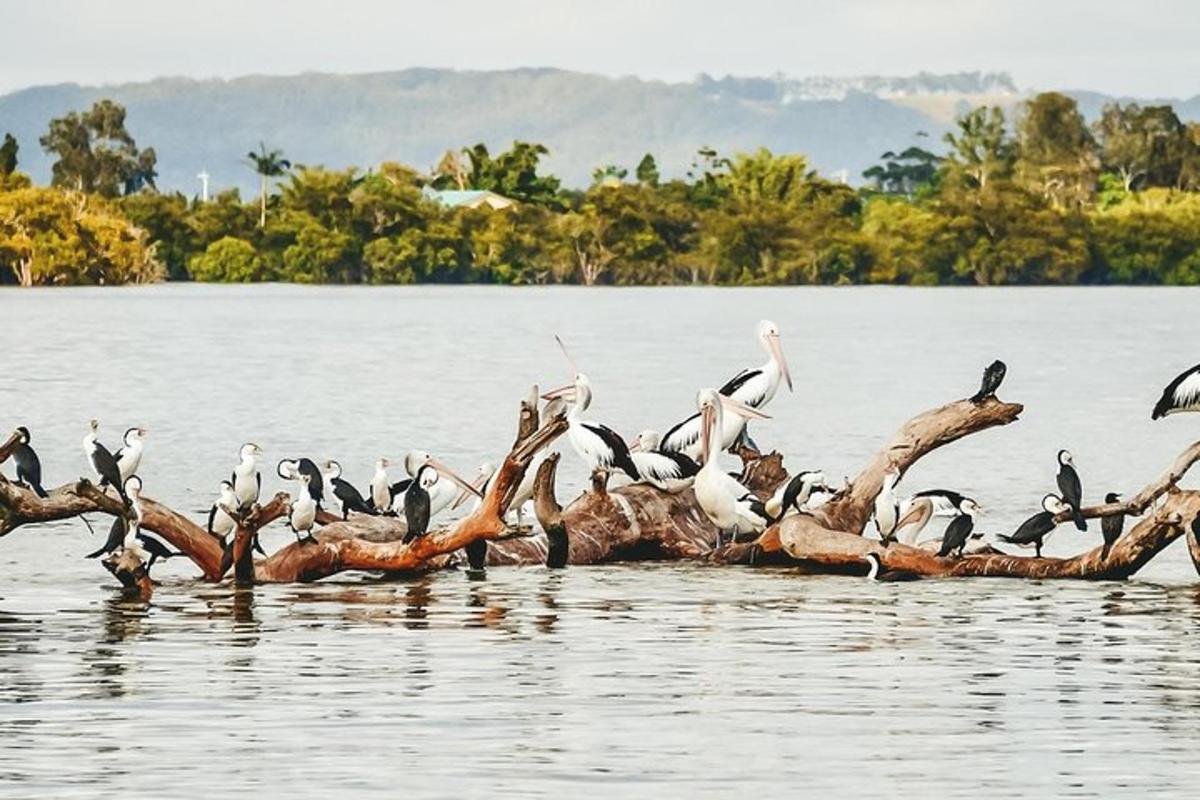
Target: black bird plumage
(1071, 489)
(956, 535)
(105, 465)
(1177, 396)
(116, 537)
(350, 498)
(1033, 531)
(621, 458)
(29, 466)
(156, 549)
(416, 508)
(1111, 525)
(993, 376)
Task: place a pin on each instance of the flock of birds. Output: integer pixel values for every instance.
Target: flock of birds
(687, 456)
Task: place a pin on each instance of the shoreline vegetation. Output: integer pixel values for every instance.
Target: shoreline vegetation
(1042, 199)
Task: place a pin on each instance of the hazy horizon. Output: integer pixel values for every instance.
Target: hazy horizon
(1105, 46)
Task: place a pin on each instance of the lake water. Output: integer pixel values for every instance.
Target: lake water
(670, 680)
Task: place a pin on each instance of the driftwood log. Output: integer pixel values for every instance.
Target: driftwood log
(637, 522)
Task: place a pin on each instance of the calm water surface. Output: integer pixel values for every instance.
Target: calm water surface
(665, 680)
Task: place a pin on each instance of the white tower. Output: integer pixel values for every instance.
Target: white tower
(203, 176)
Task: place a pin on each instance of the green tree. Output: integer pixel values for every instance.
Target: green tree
(513, 173)
(1144, 146)
(8, 155)
(268, 164)
(1058, 156)
(904, 173)
(229, 260)
(647, 171)
(95, 153)
(981, 151)
(165, 219)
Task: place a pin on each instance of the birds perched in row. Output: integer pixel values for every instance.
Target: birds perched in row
(1034, 530)
(29, 466)
(754, 388)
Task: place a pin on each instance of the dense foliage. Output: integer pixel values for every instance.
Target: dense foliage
(1049, 199)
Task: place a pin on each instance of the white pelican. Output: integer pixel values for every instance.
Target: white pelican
(441, 493)
(600, 447)
(725, 501)
(671, 472)
(751, 387)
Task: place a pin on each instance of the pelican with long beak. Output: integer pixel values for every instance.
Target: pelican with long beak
(751, 387)
(441, 493)
(724, 500)
(601, 448)
(483, 477)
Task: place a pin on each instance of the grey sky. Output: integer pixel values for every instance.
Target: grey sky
(1146, 48)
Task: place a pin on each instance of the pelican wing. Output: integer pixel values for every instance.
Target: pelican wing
(682, 436)
(1181, 394)
(749, 386)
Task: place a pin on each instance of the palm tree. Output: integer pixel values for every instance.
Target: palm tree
(268, 164)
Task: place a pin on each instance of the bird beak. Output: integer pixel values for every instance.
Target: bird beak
(565, 392)
(915, 513)
(777, 352)
(464, 494)
(707, 418)
(741, 409)
(454, 476)
(636, 445)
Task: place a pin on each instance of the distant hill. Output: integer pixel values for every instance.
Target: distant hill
(586, 120)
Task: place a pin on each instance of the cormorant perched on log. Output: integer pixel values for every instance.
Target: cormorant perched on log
(993, 376)
(303, 513)
(102, 460)
(291, 468)
(116, 535)
(129, 457)
(1071, 488)
(1181, 394)
(29, 467)
(794, 494)
(220, 524)
(156, 549)
(1111, 525)
(350, 498)
(887, 508)
(1033, 531)
(246, 479)
(957, 533)
(417, 504)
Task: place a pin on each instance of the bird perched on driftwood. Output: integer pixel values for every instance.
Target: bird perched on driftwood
(1111, 525)
(993, 376)
(29, 466)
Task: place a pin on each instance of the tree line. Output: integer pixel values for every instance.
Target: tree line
(1041, 198)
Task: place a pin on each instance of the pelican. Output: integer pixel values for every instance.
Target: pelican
(724, 500)
(670, 472)
(483, 478)
(750, 387)
(129, 457)
(1181, 394)
(600, 447)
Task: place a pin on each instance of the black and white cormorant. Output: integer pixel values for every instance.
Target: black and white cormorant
(129, 457)
(794, 494)
(156, 550)
(1071, 488)
(303, 513)
(102, 460)
(381, 491)
(957, 533)
(116, 535)
(350, 498)
(887, 507)
(1034, 530)
(29, 466)
(220, 524)
(1181, 394)
(993, 376)
(246, 479)
(416, 502)
(290, 468)
(1111, 525)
